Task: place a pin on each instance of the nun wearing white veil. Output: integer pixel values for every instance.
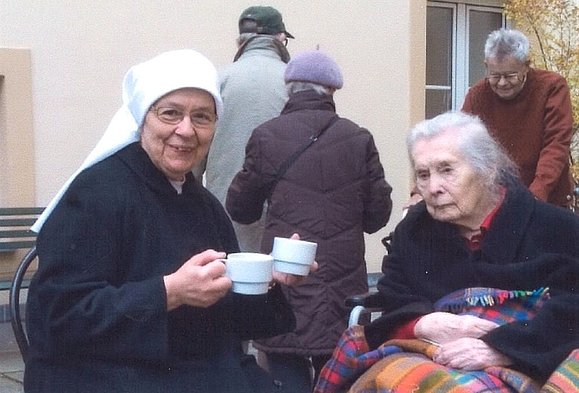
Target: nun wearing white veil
(130, 293)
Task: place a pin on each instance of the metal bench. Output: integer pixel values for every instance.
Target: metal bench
(16, 308)
(15, 223)
(15, 238)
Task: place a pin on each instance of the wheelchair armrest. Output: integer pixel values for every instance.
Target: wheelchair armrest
(362, 305)
(365, 299)
(358, 300)
(370, 299)
(358, 312)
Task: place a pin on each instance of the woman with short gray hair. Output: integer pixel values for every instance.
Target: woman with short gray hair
(482, 152)
(478, 279)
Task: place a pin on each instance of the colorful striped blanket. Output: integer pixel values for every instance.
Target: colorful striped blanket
(402, 366)
(412, 370)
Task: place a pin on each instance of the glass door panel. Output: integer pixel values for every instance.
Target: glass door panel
(480, 24)
(439, 55)
(455, 36)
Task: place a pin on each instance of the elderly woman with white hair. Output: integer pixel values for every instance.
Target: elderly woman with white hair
(130, 293)
(480, 288)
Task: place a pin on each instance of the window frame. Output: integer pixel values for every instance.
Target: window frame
(460, 63)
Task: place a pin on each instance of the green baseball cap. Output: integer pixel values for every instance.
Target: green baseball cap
(267, 20)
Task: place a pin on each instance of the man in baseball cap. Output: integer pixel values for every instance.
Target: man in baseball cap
(262, 20)
(253, 92)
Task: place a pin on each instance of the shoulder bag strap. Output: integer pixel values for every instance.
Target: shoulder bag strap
(291, 159)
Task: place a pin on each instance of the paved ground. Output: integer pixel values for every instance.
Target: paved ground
(11, 365)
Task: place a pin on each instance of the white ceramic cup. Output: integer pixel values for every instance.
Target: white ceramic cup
(250, 273)
(293, 256)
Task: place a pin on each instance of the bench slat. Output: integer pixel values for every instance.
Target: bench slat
(16, 233)
(20, 211)
(13, 246)
(15, 223)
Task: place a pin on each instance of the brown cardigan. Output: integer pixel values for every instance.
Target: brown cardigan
(535, 128)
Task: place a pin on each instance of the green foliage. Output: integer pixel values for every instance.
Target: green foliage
(553, 28)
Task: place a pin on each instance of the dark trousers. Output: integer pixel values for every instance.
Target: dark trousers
(296, 373)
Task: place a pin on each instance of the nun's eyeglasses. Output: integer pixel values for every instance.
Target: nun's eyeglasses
(175, 116)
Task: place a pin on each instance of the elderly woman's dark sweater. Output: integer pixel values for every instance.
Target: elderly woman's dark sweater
(529, 245)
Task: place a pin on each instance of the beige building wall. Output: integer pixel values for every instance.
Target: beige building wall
(16, 129)
(17, 161)
(80, 51)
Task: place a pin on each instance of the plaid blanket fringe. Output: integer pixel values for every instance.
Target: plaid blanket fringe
(515, 304)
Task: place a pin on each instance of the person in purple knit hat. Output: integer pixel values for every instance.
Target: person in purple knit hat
(323, 178)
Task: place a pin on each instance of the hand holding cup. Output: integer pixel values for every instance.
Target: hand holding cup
(199, 282)
(250, 273)
(303, 252)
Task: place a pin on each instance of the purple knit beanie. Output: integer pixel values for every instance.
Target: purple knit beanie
(315, 67)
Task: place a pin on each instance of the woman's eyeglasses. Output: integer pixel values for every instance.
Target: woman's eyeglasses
(169, 115)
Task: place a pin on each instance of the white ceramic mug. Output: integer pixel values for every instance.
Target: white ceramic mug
(250, 273)
(293, 256)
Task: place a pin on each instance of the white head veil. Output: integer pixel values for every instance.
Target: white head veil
(143, 85)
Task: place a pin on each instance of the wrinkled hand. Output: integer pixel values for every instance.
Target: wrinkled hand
(443, 327)
(199, 282)
(292, 279)
(469, 354)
